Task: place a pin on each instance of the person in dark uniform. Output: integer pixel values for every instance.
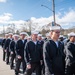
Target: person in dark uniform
(70, 55)
(20, 53)
(7, 42)
(48, 36)
(61, 38)
(12, 47)
(53, 54)
(41, 41)
(33, 55)
(3, 44)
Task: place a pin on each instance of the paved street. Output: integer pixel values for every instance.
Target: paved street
(4, 69)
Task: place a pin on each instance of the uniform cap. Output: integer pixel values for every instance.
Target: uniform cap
(34, 32)
(39, 34)
(55, 28)
(71, 34)
(47, 34)
(61, 36)
(23, 33)
(15, 35)
(10, 33)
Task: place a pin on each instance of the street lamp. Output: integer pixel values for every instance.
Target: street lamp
(53, 9)
(47, 7)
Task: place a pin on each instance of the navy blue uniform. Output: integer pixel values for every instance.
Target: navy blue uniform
(33, 57)
(53, 58)
(20, 52)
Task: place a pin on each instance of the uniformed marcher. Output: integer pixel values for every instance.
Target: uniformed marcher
(53, 54)
(12, 47)
(70, 55)
(61, 38)
(48, 36)
(20, 53)
(41, 41)
(3, 44)
(6, 47)
(33, 55)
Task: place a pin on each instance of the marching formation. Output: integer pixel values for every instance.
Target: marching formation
(52, 55)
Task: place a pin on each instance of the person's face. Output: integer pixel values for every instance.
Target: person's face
(6, 36)
(34, 36)
(55, 34)
(10, 36)
(15, 37)
(39, 37)
(72, 38)
(22, 36)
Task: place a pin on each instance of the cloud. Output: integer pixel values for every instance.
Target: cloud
(19, 22)
(67, 19)
(3, 1)
(5, 17)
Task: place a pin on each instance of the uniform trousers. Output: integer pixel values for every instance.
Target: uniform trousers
(70, 70)
(18, 63)
(35, 67)
(7, 56)
(12, 57)
(4, 54)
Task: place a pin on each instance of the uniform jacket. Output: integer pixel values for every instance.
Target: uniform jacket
(53, 57)
(20, 47)
(7, 43)
(12, 46)
(33, 52)
(3, 43)
(70, 53)
(41, 42)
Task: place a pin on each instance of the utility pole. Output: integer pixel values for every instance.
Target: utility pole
(3, 31)
(53, 8)
(30, 25)
(53, 11)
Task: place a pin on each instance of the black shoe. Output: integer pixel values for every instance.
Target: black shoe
(20, 71)
(11, 68)
(7, 63)
(3, 60)
(16, 74)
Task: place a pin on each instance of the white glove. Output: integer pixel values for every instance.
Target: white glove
(19, 57)
(5, 50)
(11, 52)
(28, 66)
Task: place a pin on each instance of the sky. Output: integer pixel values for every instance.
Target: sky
(18, 11)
